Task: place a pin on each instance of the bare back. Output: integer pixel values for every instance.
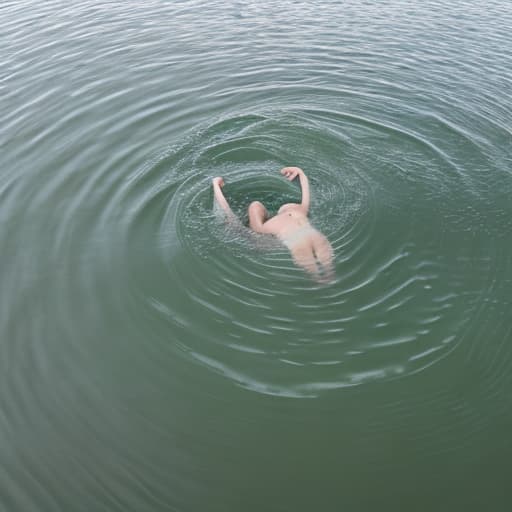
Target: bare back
(289, 218)
(309, 248)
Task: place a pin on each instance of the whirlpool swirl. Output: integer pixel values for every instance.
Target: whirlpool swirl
(394, 308)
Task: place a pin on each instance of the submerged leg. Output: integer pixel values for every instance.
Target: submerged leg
(304, 257)
(315, 256)
(324, 256)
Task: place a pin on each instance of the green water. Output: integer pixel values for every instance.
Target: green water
(152, 359)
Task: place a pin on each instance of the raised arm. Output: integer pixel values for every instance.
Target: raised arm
(218, 183)
(291, 173)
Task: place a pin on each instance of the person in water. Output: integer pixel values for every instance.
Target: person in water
(309, 248)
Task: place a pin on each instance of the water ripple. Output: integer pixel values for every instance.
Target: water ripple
(120, 281)
(362, 313)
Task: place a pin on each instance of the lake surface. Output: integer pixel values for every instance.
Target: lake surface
(152, 359)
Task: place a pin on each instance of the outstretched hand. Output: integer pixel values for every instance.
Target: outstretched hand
(291, 172)
(219, 181)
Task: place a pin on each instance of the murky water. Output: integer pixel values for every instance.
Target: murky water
(151, 359)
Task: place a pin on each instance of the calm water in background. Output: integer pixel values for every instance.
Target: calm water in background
(152, 360)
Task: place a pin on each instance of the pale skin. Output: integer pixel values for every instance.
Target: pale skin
(309, 248)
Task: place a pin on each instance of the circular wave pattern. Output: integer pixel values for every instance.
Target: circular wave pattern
(120, 281)
(393, 310)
